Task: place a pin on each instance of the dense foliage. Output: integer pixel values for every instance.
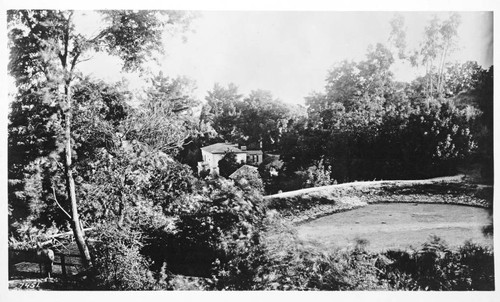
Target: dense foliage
(228, 164)
(280, 262)
(256, 121)
(46, 50)
(383, 134)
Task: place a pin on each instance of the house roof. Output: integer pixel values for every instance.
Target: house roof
(222, 148)
(244, 171)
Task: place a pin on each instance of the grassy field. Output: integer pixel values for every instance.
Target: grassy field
(394, 225)
(389, 214)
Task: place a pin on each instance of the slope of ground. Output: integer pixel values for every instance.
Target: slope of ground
(308, 204)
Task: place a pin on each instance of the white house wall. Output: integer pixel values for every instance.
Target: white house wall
(241, 157)
(213, 159)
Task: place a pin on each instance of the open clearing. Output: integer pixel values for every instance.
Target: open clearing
(398, 225)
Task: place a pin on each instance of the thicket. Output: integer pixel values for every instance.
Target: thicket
(281, 262)
(421, 142)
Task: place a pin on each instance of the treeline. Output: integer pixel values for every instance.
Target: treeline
(364, 126)
(390, 131)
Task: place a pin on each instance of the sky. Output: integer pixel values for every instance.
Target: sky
(287, 53)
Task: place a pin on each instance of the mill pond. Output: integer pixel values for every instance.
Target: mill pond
(399, 225)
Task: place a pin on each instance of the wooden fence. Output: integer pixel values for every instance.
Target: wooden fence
(23, 262)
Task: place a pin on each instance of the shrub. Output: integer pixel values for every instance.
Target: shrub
(280, 262)
(213, 226)
(435, 267)
(317, 175)
(345, 270)
(118, 265)
(249, 182)
(478, 268)
(270, 171)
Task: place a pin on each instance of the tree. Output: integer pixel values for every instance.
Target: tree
(462, 78)
(35, 134)
(164, 120)
(45, 52)
(269, 171)
(471, 85)
(134, 179)
(228, 164)
(263, 119)
(438, 43)
(256, 121)
(367, 126)
(365, 86)
(398, 34)
(220, 110)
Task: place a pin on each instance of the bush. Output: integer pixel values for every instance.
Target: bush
(435, 267)
(317, 175)
(270, 171)
(249, 182)
(213, 226)
(280, 262)
(478, 267)
(118, 265)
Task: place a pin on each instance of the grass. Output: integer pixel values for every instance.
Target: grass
(391, 226)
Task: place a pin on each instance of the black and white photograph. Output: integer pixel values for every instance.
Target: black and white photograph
(278, 149)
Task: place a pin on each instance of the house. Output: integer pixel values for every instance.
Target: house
(212, 154)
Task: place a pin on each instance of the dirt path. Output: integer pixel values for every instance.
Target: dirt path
(361, 184)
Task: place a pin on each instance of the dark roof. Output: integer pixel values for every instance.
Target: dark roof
(222, 148)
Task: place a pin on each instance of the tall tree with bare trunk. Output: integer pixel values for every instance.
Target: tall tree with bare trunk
(45, 50)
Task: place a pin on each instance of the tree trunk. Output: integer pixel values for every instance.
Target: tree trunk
(443, 60)
(70, 184)
(430, 79)
(428, 85)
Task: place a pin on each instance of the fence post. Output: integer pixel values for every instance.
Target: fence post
(63, 266)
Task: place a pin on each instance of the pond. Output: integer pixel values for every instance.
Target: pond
(398, 225)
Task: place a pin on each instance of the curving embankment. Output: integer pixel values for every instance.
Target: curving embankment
(309, 204)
